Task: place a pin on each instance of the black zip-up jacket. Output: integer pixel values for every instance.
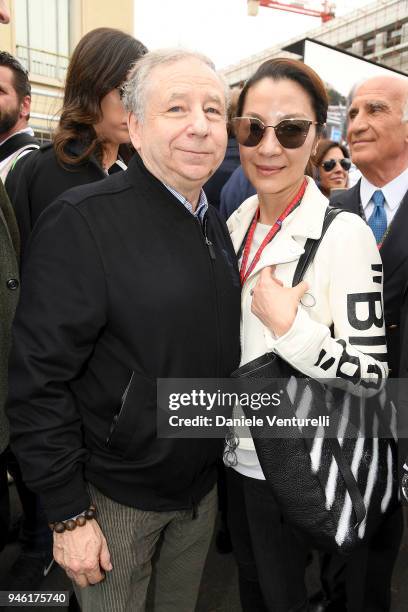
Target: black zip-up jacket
(119, 284)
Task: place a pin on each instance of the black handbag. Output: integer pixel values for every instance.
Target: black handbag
(334, 491)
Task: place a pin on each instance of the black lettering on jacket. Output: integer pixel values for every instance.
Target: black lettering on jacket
(371, 299)
(346, 358)
(327, 364)
(372, 383)
(377, 268)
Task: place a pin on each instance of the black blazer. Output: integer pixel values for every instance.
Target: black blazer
(394, 254)
(9, 290)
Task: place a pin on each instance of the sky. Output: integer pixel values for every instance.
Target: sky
(221, 28)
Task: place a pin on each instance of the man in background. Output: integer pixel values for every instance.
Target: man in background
(378, 140)
(9, 289)
(16, 137)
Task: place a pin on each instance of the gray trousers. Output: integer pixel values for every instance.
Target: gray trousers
(157, 557)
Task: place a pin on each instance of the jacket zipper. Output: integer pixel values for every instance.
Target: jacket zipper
(213, 257)
(212, 254)
(208, 242)
(118, 414)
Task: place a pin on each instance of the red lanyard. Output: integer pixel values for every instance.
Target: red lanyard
(244, 272)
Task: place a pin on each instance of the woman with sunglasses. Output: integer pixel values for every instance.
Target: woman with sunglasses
(281, 113)
(333, 163)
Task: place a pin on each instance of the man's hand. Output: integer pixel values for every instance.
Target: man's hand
(275, 305)
(83, 553)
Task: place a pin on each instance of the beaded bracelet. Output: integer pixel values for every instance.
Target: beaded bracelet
(71, 524)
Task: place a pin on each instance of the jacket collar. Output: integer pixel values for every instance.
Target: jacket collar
(305, 222)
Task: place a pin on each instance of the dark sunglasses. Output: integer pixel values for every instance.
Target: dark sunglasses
(330, 164)
(290, 133)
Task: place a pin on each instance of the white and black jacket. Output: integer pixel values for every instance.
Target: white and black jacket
(345, 280)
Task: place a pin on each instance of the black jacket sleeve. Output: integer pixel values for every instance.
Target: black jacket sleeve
(17, 187)
(62, 311)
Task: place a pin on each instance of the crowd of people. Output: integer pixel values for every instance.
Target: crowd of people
(130, 273)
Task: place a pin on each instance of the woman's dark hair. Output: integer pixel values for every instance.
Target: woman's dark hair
(284, 68)
(99, 64)
(324, 147)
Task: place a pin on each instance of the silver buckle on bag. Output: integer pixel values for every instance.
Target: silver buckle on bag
(229, 455)
(404, 486)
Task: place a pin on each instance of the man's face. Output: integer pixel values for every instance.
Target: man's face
(182, 138)
(9, 104)
(377, 135)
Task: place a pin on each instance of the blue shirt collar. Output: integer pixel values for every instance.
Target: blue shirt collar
(202, 205)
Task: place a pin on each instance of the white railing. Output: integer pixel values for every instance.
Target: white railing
(43, 63)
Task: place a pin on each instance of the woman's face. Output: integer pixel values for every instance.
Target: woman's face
(337, 177)
(113, 126)
(270, 167)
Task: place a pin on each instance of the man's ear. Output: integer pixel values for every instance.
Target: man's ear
(405, 124)
(134, 127)
(25, 107)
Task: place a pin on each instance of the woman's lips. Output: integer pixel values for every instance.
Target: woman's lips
(269, 170)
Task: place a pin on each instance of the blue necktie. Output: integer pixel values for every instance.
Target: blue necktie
(378, 220)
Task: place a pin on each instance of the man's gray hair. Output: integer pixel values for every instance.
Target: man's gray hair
(134, 90)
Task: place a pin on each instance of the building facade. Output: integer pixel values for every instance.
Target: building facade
(42, 35)
(377, 32)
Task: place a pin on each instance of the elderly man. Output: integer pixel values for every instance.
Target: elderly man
(16, 140)
(378, 139)
(125, 281)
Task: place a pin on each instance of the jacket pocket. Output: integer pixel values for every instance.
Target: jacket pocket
(135, 415)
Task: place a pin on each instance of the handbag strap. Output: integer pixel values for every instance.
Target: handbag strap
(305, 260)
(349, 480)
(313, 244)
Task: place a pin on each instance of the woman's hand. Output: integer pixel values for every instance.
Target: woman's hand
(275, 305)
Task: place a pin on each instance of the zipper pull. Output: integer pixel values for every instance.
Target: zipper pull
(210, 248)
